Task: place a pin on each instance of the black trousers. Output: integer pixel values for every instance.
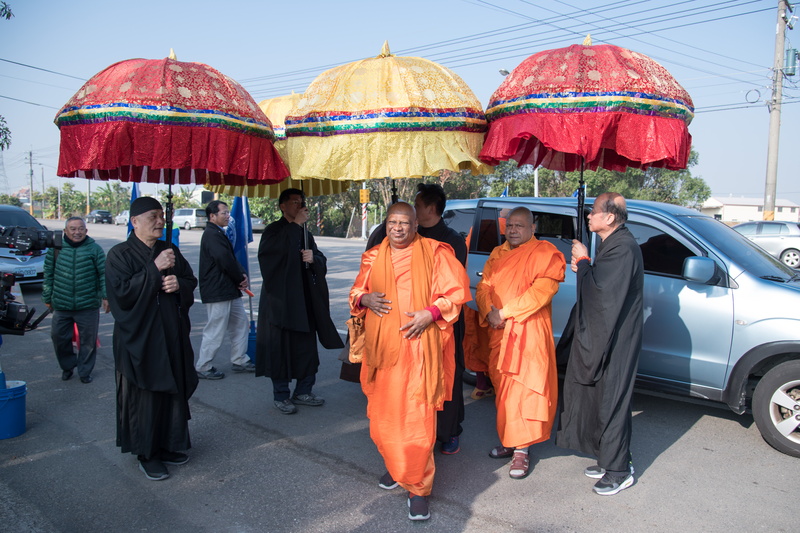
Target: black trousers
(62, 325)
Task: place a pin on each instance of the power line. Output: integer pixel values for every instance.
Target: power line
(42, 69)
(31, 103)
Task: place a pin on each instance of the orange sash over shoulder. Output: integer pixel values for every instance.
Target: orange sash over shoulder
(382, 348)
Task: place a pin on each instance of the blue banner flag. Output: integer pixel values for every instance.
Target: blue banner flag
(242, 230)
(504, 194)
(134, 196)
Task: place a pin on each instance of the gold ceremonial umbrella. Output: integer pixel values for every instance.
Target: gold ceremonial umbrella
(276, 110)
(386, 116)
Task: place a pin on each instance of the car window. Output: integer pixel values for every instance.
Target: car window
(556, 228)
(460, 220)
(773, 229)
(200, 213)
(746, 229)
(18, 218)
(739, 248)
(662, 253)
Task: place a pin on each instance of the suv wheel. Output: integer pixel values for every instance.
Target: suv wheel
(187, 226)
(791, 258)
(776, 407)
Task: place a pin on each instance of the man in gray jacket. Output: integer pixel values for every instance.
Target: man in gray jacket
(221, 279)
(74, 287)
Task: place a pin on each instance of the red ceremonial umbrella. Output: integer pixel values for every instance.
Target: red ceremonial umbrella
(589, 106)
(166, 121)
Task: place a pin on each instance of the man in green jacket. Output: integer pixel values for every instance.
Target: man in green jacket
(75, 287)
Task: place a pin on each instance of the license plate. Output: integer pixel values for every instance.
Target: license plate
(25, 272)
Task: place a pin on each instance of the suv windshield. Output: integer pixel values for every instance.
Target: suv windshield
(18, 218)
(740, 249)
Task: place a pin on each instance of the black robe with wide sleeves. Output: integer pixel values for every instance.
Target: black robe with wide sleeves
(294, 307)
(605, 342)
(152, 352)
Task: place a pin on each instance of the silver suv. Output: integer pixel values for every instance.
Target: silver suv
(781, 239)
(187, 218)
(721, 315)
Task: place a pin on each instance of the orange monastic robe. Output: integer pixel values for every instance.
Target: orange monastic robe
(400, 408)
(522, 363)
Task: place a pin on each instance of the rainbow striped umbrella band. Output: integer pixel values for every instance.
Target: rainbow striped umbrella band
(592, 102)
(386, 120)
(161, 115)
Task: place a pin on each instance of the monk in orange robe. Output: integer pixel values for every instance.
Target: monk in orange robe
(409, 291)
(514, 298)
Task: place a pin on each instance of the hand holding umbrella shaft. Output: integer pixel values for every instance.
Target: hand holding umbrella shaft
(165, 259)
(169, 283)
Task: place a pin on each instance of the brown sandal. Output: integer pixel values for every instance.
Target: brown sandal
(501, 452)
(520, 466)
(479, 394)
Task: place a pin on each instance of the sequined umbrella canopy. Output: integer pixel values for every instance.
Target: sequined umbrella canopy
(589, 106)
(603, 106)
(276, 110)
(386, 116)
(166, 121)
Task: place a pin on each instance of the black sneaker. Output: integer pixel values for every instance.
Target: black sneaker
(596, 472)
(173, 458)
(610, 485)
(451, 447)
(286, 407)
(66, 374)
(418, 508)
(86, 379)
(211, 373)
(308, 399)
(387, 482)
(153, 468)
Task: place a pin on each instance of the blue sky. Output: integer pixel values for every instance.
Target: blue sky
(720, 51)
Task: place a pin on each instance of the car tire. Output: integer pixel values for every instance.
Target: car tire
(791, 258)
(469, 377)
(776, 407)
(187, 226)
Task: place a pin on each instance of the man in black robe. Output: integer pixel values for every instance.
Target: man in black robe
(150, 288)
(294, 306)
(606, 336)
(429, 203)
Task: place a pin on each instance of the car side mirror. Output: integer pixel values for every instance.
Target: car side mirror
(699, 269)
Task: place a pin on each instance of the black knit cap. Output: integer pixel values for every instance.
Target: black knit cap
(143, 204)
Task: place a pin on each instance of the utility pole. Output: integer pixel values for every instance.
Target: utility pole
(88, 195)
(42, 167)
(770, 186)
(30, 194)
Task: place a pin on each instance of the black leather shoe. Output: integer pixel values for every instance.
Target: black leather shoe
(87, 379)
(66, 374)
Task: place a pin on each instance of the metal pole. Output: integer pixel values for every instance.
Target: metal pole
(770, 185)
(42, 191)
(88, 195)
(59, 199)
(364, 216)
(30, 162)
(536, 182)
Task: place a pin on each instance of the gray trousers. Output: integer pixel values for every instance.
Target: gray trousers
(224, 318)
(88, 321)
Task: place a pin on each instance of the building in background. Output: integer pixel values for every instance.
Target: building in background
(733, 210)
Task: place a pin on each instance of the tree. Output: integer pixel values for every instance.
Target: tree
(5, 133)
(73, 203)
(111, 196)
(182, 199)
(6, 199)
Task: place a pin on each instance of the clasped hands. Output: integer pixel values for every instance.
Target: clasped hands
(378, 304)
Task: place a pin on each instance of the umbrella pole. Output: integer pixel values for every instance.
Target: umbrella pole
(581, 201)
(168, 212)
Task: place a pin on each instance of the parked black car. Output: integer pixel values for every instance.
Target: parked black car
(99, 216)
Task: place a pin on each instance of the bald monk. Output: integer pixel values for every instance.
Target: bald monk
(519, 281)
(409, 290)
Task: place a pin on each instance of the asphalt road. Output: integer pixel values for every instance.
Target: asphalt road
(252, 469)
